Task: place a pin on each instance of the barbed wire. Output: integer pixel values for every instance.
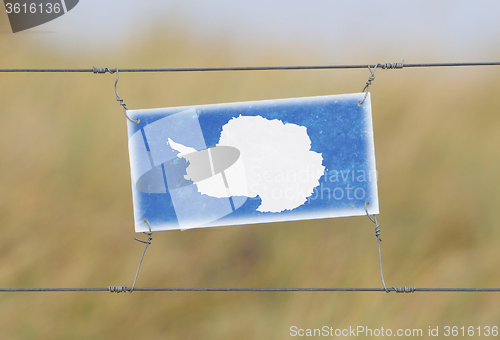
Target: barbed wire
(249, 68)
(123, 289)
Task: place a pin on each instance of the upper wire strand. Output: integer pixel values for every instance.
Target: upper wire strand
(251, 68)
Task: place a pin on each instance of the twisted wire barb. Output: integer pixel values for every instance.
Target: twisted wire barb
(118, 99)
(404, 289)
(118, 289)
(368, 83)
(123, 289)
(386, 66)
(377, 235)
(389, 66)
(103, 70)
(147, 242)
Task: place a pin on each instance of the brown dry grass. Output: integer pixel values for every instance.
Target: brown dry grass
(66, 209)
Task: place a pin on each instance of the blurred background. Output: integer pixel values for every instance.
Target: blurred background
(66, 205)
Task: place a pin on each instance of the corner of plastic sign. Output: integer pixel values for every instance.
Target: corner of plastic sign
(139, 228)
(368, 100)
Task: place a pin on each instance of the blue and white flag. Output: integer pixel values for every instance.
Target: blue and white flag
(252, 162)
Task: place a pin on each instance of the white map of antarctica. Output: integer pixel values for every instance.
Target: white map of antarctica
(252, 162)
(275, 163)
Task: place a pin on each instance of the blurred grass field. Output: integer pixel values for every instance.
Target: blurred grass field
(66, 205)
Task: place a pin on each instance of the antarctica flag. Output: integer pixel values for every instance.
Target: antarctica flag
(252, 162)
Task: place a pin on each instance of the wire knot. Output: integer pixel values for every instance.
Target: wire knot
(386, 66)
(377, 232)
(149, 233)
(368, 83)
(148, 242)
(118, 98)
(103, 70)
(118, 289)
(374, 220)
(403, 289)
(389, 66)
